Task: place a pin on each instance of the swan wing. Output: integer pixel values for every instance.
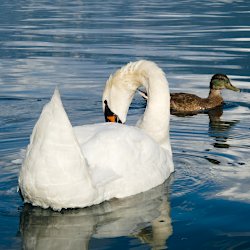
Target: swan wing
(54, 172)
(123, 160)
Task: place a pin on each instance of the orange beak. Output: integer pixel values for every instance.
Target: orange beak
(109, 115)
(111, 118)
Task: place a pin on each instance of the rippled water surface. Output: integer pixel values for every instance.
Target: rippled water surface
(76, 45)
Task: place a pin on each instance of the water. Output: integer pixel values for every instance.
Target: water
(76, 45)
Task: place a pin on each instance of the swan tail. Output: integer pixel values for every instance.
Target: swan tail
(54, 172)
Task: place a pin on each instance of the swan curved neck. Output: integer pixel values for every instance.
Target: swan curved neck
(155, 120)
(120, 89)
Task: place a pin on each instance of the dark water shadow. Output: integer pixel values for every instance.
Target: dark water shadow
(244, 90)
(145, 216)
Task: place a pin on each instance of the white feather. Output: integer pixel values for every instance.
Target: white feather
(67, 167)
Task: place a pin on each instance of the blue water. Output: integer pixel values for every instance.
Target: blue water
(76, 45)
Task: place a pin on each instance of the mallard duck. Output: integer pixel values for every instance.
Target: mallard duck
(183, 102)
(69, 167)
(186, 103)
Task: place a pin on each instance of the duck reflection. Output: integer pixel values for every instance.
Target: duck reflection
(145, 216)
(219, 129)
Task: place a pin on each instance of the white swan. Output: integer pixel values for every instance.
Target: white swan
(67, 167)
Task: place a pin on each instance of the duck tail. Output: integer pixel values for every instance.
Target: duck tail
(54, 169)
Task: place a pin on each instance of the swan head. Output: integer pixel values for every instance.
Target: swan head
(118, 94)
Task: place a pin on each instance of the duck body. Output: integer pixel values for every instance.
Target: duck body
(185, 103)
(69, 167)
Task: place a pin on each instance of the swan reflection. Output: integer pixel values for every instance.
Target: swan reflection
(145, 216)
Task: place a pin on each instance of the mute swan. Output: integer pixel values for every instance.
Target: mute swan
(67, 167)
(184, 102)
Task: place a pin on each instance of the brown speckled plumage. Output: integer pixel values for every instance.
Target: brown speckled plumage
(183, 102)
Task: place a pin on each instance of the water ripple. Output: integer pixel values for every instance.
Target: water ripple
(76, 45)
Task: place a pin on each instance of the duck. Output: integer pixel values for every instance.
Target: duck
(74, 167)
(190, 103)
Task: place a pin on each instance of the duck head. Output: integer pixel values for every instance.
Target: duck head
(221, 81)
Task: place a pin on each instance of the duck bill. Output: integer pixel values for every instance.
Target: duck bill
(231, 87)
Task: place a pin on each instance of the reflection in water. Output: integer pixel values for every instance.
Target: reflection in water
(145, 216)
(219, 129)
(234, 175)
(76, 45)
(230, 168)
